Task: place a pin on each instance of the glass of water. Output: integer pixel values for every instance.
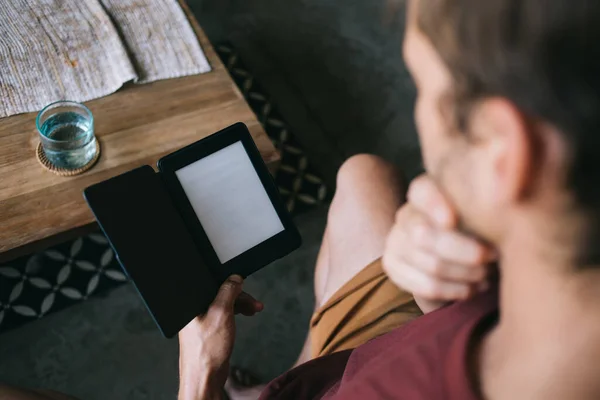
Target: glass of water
(66, 131)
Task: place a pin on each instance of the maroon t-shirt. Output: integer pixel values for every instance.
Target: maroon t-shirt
(422, 360)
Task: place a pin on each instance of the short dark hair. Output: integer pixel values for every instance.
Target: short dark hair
(543, 56)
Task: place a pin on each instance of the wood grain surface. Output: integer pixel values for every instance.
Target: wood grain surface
(135, 126)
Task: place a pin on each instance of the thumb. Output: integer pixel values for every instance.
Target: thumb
(427, 197)
(229, 292)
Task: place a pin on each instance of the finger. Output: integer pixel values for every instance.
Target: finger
(247, 305)
(398, 234)
(227, 295)
(439, 268)
(399, 241)
(410, 223)
(410, 226)
(423, 285)
(424, 194)
(452, 246)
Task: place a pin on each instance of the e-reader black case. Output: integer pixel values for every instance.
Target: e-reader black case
(159, 241)
(153, 247)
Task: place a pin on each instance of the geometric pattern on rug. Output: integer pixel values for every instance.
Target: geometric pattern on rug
(34, 286)
(299, 183)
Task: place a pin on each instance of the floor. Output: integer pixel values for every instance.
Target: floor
(334, 70)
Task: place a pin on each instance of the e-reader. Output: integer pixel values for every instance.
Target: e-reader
(211, 210)
(229, 202)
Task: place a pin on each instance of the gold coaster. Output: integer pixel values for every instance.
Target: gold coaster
(41, 157)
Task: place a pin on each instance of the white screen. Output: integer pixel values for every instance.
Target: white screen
(230, 201)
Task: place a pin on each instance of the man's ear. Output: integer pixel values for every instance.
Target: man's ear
(508, 140)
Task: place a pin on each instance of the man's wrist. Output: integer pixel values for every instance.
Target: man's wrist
(428, 306)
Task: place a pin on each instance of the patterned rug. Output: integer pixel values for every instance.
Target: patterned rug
(37, 285)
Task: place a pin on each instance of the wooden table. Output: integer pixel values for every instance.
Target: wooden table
(135, 126)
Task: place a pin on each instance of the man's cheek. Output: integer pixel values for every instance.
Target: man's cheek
(470, 198)
(428, 134)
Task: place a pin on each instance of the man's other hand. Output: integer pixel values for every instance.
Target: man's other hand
(428, 256)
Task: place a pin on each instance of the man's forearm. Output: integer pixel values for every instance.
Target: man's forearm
(194, 386)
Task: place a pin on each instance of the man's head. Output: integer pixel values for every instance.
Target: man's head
(508, 108)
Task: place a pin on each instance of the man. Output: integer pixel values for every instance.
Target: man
(508, 115)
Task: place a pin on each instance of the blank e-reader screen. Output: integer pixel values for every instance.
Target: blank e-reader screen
(230, 201)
